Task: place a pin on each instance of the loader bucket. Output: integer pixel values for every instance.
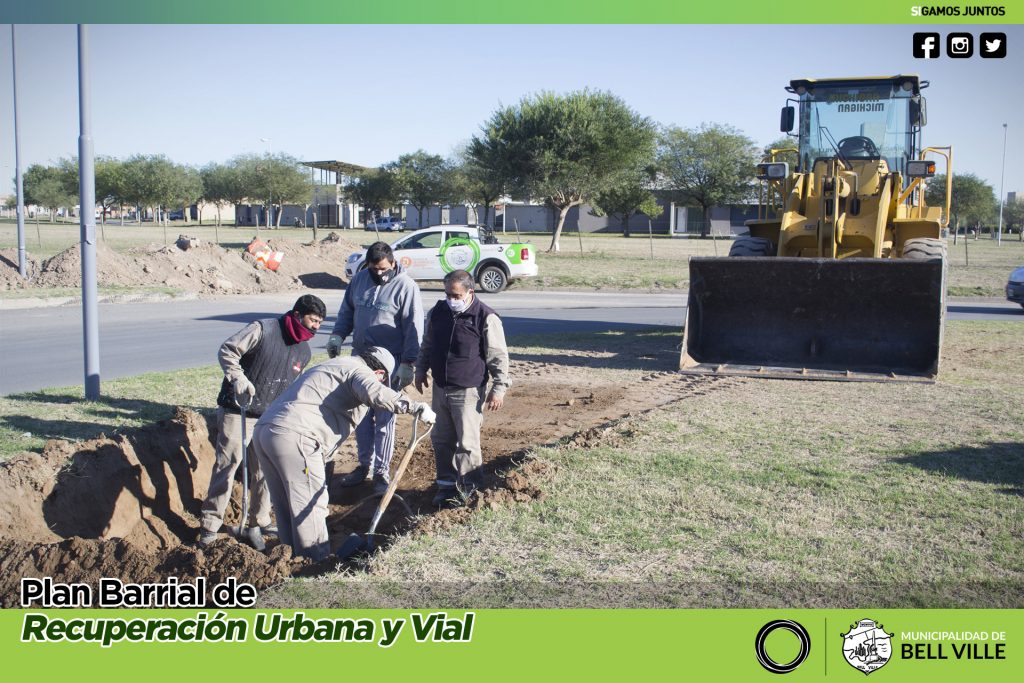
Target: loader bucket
(809, 318)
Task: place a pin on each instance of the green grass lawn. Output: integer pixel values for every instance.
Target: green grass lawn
(764, 493)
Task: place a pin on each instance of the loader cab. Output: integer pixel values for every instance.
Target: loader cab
(858, 119)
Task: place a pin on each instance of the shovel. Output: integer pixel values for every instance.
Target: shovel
(241, 531)
(356, 543)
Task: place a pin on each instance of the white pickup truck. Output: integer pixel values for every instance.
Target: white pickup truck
(431, 253)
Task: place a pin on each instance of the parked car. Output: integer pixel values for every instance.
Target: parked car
(178, 215)
(1015, 286)
(431, 253)
(386, 224)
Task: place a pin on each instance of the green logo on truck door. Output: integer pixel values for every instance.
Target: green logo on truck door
(459, 253)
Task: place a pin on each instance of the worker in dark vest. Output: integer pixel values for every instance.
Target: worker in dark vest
(463, 345)
(259, 363)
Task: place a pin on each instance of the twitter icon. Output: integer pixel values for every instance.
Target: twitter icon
(993, 45)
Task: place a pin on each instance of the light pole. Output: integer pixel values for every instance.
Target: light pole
(270, 178)
(19, 187)
(1002, 175)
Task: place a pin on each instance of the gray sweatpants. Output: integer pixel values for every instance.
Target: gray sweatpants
(228, 460)
(294, 468)
(456, 434)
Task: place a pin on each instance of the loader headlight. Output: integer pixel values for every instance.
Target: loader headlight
(773, 171)
(920, 169)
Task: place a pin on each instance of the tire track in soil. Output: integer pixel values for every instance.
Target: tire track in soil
(128, 506)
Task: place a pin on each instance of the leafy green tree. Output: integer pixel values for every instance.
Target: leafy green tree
(45, 186)
(1013, 218)
(187, 187)
(972, 200)
(566, 148)
(482, 175)
(375, 190)
(713, 165)
(150, 182)
(219, 186)
(631, 196)
(109, 178)
(423, 180)
(291, 184)
(790, 156)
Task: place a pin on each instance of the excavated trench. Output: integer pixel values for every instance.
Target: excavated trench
(127, 506)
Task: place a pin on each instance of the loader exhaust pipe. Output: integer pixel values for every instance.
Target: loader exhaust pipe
(852, 319)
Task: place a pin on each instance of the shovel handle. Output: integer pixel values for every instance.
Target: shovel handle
(402, 466)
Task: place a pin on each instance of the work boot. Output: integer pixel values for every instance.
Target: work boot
(254, 537)
(207, 537)
(356, 476)
(443, 495)
(381, 482)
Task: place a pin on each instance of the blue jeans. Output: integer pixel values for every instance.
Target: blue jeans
(375, 440)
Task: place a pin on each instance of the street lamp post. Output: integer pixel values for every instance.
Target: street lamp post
(19, 188)
(270, 178)
(1002, 175)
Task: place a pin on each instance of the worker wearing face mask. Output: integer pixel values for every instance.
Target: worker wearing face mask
(464, 344)
(382, 308)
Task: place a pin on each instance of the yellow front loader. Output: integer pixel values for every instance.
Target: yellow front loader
(843, 274)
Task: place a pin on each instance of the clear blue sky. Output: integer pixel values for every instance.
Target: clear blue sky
(366, 94)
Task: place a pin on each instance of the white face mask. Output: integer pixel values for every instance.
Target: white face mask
(457, 305)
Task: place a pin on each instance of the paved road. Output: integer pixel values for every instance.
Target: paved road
(42, 347)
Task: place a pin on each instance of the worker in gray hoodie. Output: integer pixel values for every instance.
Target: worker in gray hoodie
(383, 308)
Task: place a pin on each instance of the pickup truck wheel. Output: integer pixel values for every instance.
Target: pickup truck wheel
(491, 279)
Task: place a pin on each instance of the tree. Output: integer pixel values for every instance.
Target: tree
(1013, 218)
(109, 179)
(482, 175)
(972, 200)
(791, 156)
(631, 196)
(375, 190)
(149, 181)
(187, 187)
(221, 185)
(566, 148)
(423, 180)
(45, 186)
(291, 185)
(709, 166)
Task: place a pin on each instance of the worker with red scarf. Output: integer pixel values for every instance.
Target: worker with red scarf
(259, 363)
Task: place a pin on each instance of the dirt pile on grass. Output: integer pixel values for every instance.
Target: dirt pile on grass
(10, 277)
(124, 506)
(195, 266)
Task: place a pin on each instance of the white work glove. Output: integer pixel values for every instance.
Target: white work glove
(403, 376)
(424, 413)
(334, 346)
(245, 392)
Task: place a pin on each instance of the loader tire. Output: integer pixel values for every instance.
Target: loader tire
(752, 246)
(924, 248)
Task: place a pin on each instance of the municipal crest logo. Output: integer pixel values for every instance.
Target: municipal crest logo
(866, 646)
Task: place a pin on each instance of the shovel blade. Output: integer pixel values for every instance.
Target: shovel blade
(353, 545)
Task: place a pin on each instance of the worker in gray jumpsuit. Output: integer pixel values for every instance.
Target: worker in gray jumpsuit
(302, 426)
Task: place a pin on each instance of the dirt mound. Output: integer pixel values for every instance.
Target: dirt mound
(193, 266)
(10, 277)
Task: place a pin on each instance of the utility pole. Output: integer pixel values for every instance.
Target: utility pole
(87, 222)
(20, 191)
(1002, 175)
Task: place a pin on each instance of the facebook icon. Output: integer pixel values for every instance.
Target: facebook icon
(926, 45)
